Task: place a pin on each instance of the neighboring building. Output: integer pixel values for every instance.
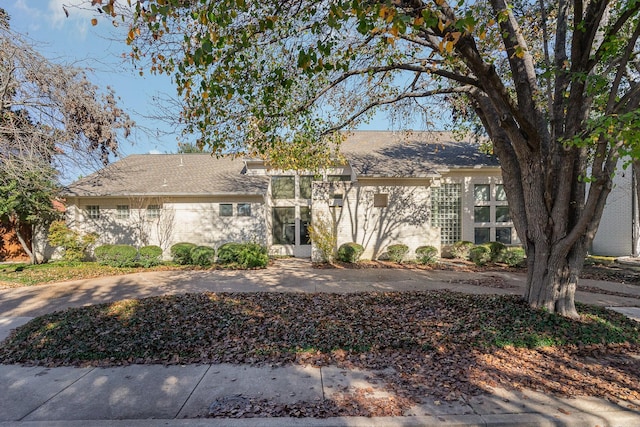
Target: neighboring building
(419, 188)
(618, 231)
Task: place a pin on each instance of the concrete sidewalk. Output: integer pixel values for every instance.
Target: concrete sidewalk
(150, 395)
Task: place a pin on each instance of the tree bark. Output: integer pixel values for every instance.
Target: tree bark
(23, 242)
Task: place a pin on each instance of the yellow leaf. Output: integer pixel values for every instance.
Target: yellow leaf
(440, 25)
(449, 46)
(419, 21)
(205, 95)
(483, 35)
(394, 30)
(131, 35)
(94, 22)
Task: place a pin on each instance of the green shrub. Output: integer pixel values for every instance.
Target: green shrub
(203, 256)
(480, 254)
(245, 255)
(181, 253)
(397, 252)
(73, 243)
(498, 251)
(350, 252)
(514, 257)
(427, 254)
(149, 256)
(116, 255)
(461, 249)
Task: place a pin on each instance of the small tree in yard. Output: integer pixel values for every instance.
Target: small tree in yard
(28, 201)
(323, 234)
(554, 85)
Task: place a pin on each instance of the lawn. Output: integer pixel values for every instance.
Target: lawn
(17, 275)
(441, 343)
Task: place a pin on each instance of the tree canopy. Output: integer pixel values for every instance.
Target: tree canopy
(53, 120)
(555, 85)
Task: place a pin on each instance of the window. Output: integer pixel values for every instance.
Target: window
(482, 235)
(305, 186)
(93, 211)
(283, 187)
(244, 209)
(122, 211)
(284, 226)
(305, 222)
(380, 200)
(481, 213)
(153, 211)
(482, 192)
(503, 235)
(502, 214)
(446, 211)
(338, 178)
(501, 196)
(226, 209)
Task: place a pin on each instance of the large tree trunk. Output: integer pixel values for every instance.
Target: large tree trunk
(552, 280)
(23, 242)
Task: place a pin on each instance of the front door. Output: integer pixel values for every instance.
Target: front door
(290, 234)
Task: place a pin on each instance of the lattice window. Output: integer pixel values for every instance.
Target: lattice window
(446, 212)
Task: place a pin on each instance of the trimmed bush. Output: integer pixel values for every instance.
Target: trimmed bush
(427, 254)
(397, 252)
(461, 249)
(498, 251)
(149, 256)
(181, 253)
(350, 252)
(116, 255)
(244, 255)
(74, 244)
(480, 254)
(514, 257)
(203, 256)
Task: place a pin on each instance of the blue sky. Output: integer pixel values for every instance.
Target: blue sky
(73, 40)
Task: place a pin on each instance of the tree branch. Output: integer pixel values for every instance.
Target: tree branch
(378, 103)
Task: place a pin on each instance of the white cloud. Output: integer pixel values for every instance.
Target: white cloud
(80, 14)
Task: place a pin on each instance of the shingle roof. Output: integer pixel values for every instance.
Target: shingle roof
(170, 174)
(410, 154)
(370, 153)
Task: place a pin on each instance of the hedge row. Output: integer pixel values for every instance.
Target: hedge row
(128, 256)
(488, 252)
(243, 255)
(351, 252)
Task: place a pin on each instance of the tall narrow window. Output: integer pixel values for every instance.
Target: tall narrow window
(305, 186)
(446, 211)
(93, 211)
(284, 226)
(305, 222)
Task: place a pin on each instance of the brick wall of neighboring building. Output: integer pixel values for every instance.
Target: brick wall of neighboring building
(10, 248)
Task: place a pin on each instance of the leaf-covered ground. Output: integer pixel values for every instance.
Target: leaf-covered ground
(441, 344)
